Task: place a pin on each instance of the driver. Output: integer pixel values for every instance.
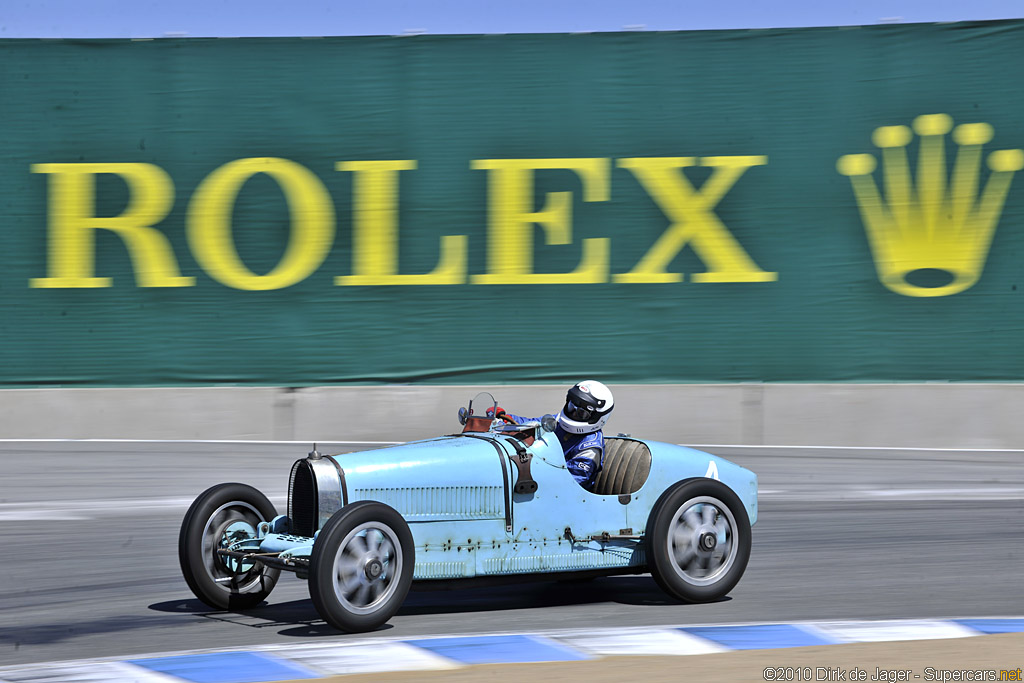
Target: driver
(578, 428)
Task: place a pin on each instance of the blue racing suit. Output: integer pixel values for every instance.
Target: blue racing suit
(584, 453)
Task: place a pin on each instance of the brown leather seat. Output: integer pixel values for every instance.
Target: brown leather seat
(626, 466)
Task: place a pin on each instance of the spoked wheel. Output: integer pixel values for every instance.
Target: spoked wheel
(361, 567)
(220, 516)
(698, 540)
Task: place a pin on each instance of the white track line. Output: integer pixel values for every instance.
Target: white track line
(856, 448)
(229, 442)
(839, 495)
(307, 442)
(73, 510)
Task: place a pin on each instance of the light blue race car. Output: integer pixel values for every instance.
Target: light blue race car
(491, 502)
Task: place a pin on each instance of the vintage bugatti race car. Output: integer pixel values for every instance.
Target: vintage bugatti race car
(492, 501)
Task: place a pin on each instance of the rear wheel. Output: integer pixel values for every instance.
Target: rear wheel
(361, 567)
(698, 540)
(220, 516)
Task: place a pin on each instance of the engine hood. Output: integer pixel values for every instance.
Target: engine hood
(454, 477)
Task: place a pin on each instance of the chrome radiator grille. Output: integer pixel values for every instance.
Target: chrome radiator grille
(302, 499)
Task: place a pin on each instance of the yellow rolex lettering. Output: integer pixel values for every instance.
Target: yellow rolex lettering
(693, 221)
(375, 231)
(72, 220)
(511, 217)
(209, 223)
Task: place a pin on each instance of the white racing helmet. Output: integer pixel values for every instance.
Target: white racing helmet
(587, 406)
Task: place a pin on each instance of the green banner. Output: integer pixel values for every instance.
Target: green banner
(774, 205)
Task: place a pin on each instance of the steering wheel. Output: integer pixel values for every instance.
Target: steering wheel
(506, 418)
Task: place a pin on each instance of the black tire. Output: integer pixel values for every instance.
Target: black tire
(361, 567)
(204, 529)
(678, 553)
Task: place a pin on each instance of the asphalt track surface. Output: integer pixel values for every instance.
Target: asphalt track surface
(89, 533)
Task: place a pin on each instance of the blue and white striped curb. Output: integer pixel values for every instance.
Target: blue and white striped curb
(296, 662)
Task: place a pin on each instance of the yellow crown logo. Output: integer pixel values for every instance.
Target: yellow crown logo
(926, 242)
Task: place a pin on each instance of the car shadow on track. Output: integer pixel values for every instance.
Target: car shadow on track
(299, 619)
(623, 590)
(267, 615)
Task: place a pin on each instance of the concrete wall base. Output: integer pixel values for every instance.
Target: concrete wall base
(896, 415)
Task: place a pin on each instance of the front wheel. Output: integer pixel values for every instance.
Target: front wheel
(361, 567)
(698, 540)
(220, 516)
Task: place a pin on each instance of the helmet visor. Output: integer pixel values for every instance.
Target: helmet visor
(578, 413)
(582, 407)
